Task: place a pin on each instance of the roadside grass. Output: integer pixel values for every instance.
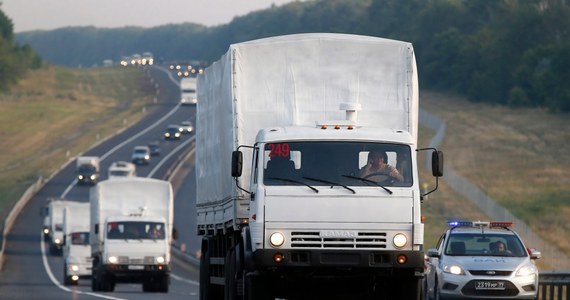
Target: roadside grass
(517, 156)
(56, 113)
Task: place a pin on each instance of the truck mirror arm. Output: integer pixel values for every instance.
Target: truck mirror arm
(436, 167)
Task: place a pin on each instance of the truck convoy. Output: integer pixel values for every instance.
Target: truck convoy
(283, 206)
(188, 90)
(76, 247)
(87, 170)
(130, 233)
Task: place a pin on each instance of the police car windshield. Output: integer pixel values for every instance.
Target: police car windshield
(486, 244)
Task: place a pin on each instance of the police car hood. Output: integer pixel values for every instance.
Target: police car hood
(486, 262)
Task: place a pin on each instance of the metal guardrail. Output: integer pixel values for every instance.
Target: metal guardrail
(554, 286)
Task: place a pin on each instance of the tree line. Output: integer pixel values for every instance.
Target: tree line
(510, 52)
(14, 59)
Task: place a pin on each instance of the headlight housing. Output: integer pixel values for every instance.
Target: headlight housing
(276, 239)
(400, 240)
(160, 259)
(526, 270)
(453, 269)
(113, 259)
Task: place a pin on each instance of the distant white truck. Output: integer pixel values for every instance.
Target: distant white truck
(53, 224)
(76, 248)
(121, 169)
(188, 90)
(87, 170)
(131, 233)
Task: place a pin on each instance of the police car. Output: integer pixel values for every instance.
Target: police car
(481, 260)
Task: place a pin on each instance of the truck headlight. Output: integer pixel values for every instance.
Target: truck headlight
(57, 241)
(400, 240)
(276, 239)
(46, 230)
(160, 260)
(74, 268)
(112, 259)
(93, 177)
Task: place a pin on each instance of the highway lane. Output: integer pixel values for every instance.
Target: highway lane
(29, 272)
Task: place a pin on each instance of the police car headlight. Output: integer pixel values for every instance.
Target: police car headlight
(526, 270)
(112, 259)
(276, 239)
(160, 260)
(400, 240)
(453, 269)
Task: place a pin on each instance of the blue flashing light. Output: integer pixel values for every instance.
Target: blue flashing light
(459, 223)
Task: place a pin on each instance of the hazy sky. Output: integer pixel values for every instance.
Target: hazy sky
(50, 14)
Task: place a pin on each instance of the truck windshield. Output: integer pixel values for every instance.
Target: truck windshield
(135, 230)
(80, 238)
(341, 163)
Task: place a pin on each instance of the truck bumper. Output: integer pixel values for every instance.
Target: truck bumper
(361, 261)
(136, 273)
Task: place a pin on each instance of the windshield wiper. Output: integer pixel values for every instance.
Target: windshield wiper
(330, 182)
(370, 181)
(294, 181)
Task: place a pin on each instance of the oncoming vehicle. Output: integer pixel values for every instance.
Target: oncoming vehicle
(481, 260)
(154, 148)
(141, 155)
(173, 132)
(187, 126)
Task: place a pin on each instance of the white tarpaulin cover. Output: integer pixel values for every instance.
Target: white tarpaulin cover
(296, 80)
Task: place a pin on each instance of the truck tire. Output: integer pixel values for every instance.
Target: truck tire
(163, 284)
(66, 279)
(256, 288)
(230, 286)
(207, 289)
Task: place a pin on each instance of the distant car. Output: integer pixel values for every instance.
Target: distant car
(173, 132)
(141, 155)
(187, 126)
(154, 148)
(121, 169)
(481, 260)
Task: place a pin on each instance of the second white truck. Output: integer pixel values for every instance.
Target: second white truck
(76, 248)
(131, 233)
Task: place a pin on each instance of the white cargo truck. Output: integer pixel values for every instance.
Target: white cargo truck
(293, 195)
(131, 233)
(54, 223)
(87, 170)
(188, 90)
(76, 248)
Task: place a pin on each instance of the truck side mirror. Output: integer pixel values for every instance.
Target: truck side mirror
(237, 163)
(174, 234)
(437, 163)
(96, 229)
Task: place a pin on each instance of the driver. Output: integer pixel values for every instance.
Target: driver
(377, 165)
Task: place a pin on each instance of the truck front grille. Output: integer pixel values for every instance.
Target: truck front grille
(147, 260)
(313, 239)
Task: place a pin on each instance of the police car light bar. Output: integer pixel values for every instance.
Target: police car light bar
(478, 224)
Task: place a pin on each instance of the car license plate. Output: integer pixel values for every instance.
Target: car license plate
(136, 267)
(489, 285)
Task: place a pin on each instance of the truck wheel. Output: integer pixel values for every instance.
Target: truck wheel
(230, 286)
(163, 284)
(409, 288)
(207, 289)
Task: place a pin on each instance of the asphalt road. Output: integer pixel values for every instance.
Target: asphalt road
(30, 272)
